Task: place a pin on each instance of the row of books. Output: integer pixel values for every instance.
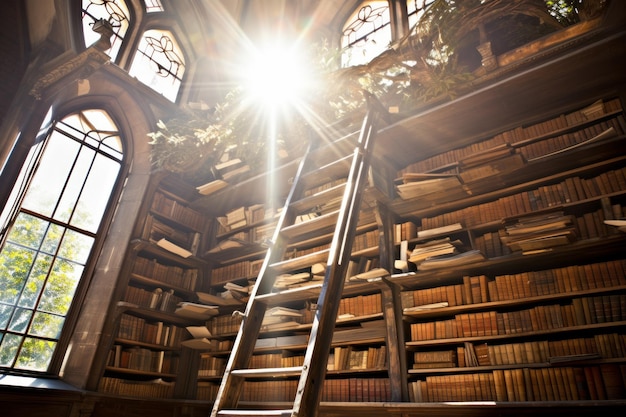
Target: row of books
(558, 281)
(340, 358)
(527, 202)
(142, 359)
(173, 209)
(153, 332)
(173, 275)
(234, 271)
(353, 357)
(605, 346)
(365, 241)
(154, 388)
(481, 289)
(211, 365)
(276, 360)
(557, 144)
(345, 389)
(603, 382)
(582, 311)
(156, 299)
(513, 136)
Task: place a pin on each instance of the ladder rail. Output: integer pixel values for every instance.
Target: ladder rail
(231, 386)
(309, 390)
(310, 383)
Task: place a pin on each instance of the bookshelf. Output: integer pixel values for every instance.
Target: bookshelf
(146, 356)
(360, 353)
(538, 317)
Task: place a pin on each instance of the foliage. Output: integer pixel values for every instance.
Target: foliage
(437, 60)
(30, 276)
(193, 141)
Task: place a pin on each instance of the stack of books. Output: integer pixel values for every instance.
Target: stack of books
(539, 233)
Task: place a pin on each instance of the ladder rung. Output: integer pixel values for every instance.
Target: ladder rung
(268, 372)
(291, 294)
(300, 262)
(253, 413)
(317, 224)
(317, 199)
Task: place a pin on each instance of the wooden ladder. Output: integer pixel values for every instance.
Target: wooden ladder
(344, 222)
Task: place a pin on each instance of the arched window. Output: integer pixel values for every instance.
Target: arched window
(53, 220)
(159, 63)
(367, 33)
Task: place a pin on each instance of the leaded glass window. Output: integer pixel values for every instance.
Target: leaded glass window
(159, 63)
(366, 34)
(69, 176)
(115, 12)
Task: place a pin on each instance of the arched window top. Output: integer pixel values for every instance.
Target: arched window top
(114, 11)
(367, 33)
(159, 62)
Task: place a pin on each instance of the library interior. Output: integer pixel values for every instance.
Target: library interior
(312, 208)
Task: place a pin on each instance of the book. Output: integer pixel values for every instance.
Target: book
(210, 299)
(439, 230)
(371, 275)
(424, 307)
(451, 260)
(201, 343)
(198, 331)
(171, 247)
(211, 187)
(196, 311)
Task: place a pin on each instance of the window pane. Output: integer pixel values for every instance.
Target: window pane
(20, 319)
(28, 231)
(153, 6)
(35, 354)
(17, 264)
(74, 185)
(36, 281)
(114, 11)
(51, 176)
(52, 240)
(159, 63)
(8, 349)
(5, 314)
(415, 9)
(93, 202)
(46, 325)
(75, 247)
(60, 287)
